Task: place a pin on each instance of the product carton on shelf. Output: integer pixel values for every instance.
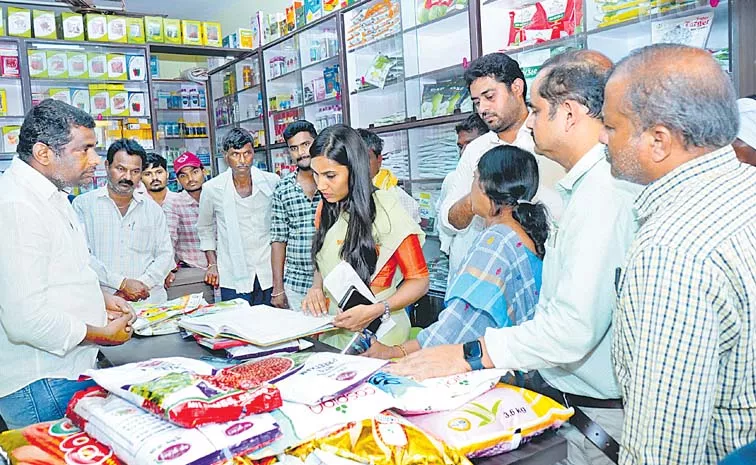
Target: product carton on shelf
(97, 27)
(119, 101)
(3, 103)
(313, 10)
(211, 34)
(78, 66)
(19, 22)
(99, 99)
(172, 31)
(10, 138)
(97, 65)
(80, 99)
(137, 104)
(329, 6)
(9, 65)
(117, 67)
(62, 94)
(71, 26)
(153, 27)
(117, 29)
(2, 22)
(44, 24)
(135, 30)
(137, 67)
(291, 19)
(300, 15)
(38, 64)
(191, 32)
(258, 28)
(57, 64)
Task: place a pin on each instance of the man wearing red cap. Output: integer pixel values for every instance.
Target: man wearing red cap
(182, 212)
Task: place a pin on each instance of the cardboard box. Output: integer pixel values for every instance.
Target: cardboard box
(119, 102)
(57, 64)
(44, 24)
(299, 13)
(258, 29)
(135, 30)
(97, 27)
(78, 66)
(99, 100)
(137, 67)
(246, 39)
(9, 63)
(10, 138)
(172, 31)
(38, 63)
(117, 70)
(211, 34)
(19, 22)
(137, 104)
(72, 26)
(153, 28)
(62, 94)
(313, 10)
(80, 99)
(3, 103)
(191, 32)
(117, 29)
(97, 65)
(291, 19)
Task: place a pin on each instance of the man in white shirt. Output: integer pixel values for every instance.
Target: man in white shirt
(569, 339)
(238, 202)
(497, 87)
(126, 231)
(52, 311)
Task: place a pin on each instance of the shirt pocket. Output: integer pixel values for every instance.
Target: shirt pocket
(141, 239)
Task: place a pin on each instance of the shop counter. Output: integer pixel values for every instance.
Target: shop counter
(547, 449)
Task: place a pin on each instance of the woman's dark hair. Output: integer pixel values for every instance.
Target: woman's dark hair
(509, 177)
(344, 145)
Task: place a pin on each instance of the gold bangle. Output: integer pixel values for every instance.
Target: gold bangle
(401, 348)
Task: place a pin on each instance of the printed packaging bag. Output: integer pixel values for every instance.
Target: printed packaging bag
(498, 421)
(436, 394)
(325, 376)
(188, 392)
(139, 438)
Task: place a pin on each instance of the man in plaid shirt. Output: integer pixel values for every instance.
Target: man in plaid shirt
(181, 211)
(292, 222)
(685, 324)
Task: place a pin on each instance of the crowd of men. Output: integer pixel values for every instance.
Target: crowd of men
(647, 310)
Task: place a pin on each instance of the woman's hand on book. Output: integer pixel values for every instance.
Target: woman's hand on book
(315, 302)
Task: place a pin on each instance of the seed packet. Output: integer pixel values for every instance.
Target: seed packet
(44, 24)
(189, 392)
(77, 65)
(97, 27)
(495, 422)
(153, 26)
(57, 64)
(117, 29)
(37, 63)
(19, 22)
(135, 30)
(72, 26)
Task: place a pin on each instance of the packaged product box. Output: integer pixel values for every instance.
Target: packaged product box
(10, 138)
(329, 6)
(3, 103)
(153, 28)
(331, 78)
(97, 27)
(99, 100)
(319, 89)
(228, 41)
(137, 104)
(38, 63)
(137, 66)
(191, 32)
(281, 24)
(44, 24)
(257, 26)
(172, 31)
(272, 32)
(211, 34)
(9, 63)
(71, 26)
(300, 17)
(57, 64)
(62, 94)
(135, 30)
(117, 67)
(154, 66)
(97, 65)
(37, 98)
(119, 102)
(246, 39)
(2, 22)
(291, 19)
(19, 22)
(313, 10)
(117, 29)
(80, 99)
(77, 65)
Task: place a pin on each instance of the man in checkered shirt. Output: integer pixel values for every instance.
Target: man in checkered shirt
(684, 328)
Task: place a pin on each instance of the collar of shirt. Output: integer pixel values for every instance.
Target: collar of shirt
(583, 166)
(524, 136)
(138, 196)
(663, 189)
(260, 183)
(188, 198)
(291, 179)
(38, 183)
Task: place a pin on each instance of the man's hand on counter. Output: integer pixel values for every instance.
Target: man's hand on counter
(116, 332)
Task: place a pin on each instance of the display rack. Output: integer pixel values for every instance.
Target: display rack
(12, 98)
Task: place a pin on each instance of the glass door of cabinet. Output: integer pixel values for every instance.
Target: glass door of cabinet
(436, 36)
(319, 50)
(283, 86)
(12, 109)
(375, 64)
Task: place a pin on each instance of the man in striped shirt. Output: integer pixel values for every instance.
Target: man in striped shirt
(684, 332)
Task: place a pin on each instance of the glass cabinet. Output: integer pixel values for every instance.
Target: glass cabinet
(11, 100)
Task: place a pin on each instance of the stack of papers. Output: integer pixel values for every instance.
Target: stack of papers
(260, 325)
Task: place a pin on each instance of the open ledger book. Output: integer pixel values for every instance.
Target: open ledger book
(260, 325)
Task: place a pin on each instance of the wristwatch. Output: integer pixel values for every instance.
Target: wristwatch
(473, 354)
